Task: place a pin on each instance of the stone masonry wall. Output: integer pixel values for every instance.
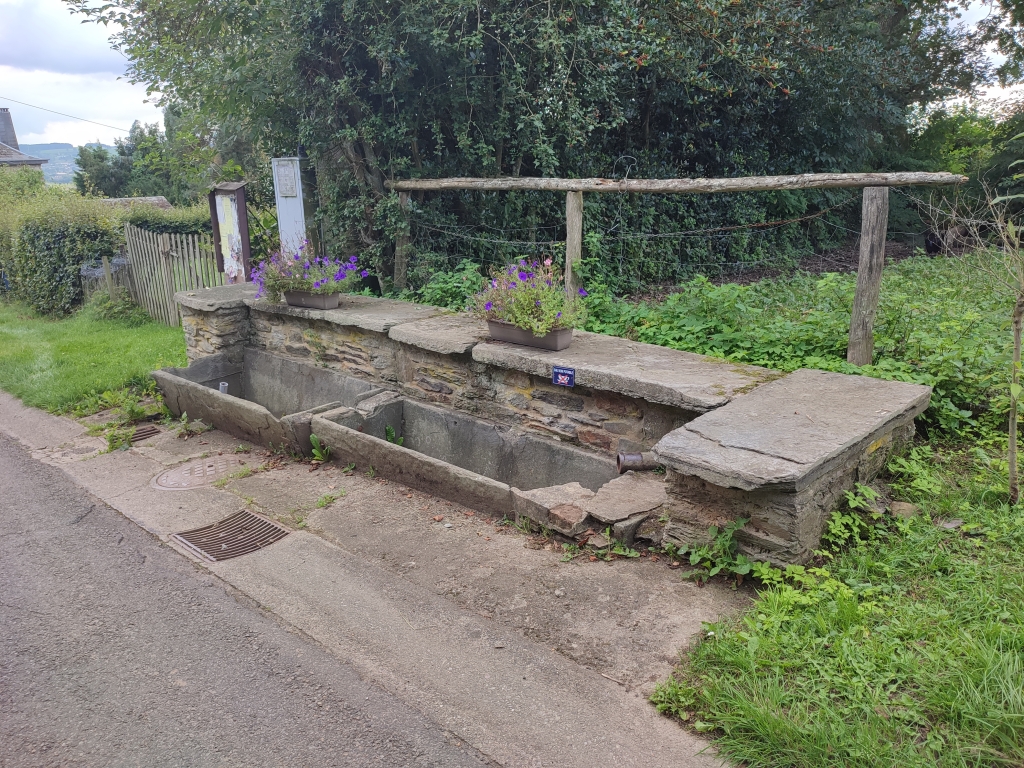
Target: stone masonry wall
(602, 421)
(207, 333)
(785, 526)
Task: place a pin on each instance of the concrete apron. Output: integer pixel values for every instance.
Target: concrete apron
(484, 679)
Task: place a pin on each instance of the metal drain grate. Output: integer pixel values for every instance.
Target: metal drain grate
(240, 534)
(144, 432)
(197, 473)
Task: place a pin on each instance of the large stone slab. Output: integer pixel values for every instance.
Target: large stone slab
(626, 496)
(221, 297)
(652, 373)
(787, 432)
(365, 312)
(444, 334)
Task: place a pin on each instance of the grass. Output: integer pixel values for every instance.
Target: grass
(55, 363)
(905, 648)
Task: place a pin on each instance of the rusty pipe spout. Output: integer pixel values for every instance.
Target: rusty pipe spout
(637, 461)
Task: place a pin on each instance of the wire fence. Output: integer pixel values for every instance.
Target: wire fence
(632, 257)
(636, 257)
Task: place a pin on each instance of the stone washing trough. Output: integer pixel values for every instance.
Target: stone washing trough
(456, 456)
(495, 468)
(270, 400)
(491, 425)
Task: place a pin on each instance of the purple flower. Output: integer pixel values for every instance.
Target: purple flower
(353, 259)
(489, 306)
(296, 257)
(558, 315)
(524, 276)
(365, 273)
(582, 292)
(339, 275)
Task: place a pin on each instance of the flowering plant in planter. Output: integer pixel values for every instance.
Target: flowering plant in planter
(302, 272)
(531, 295)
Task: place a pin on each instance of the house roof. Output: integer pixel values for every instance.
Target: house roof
(11, 156)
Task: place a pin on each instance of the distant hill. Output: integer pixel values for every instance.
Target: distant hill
(61, 168)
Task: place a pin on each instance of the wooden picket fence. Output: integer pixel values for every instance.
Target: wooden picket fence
(161, 264)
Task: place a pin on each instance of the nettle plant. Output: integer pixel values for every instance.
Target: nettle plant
(531, 295)
(303, 272)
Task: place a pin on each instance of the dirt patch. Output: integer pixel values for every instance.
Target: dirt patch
(626, 619)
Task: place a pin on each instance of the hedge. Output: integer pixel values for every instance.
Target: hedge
(44, 241)
(180, 221)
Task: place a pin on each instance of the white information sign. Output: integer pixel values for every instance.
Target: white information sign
(291, 215)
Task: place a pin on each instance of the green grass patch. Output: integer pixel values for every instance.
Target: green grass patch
(55, 363)
(904, 648)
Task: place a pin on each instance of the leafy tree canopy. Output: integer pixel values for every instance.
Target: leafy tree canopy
(379, 89)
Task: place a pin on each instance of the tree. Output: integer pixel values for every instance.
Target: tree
(382, 89)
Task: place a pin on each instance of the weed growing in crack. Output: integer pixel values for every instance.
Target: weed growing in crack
(321, 451)
(329, 498)
(389, 434)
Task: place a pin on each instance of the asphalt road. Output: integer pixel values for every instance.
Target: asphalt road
(117, 651)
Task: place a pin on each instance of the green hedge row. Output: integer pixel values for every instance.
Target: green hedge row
(46, 242)
(47, 233)
(179, 221)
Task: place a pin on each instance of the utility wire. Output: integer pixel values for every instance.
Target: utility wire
(63, 114)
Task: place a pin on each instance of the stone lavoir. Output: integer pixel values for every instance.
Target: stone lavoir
(483, 423)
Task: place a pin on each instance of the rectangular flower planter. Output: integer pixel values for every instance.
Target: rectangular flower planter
(559, 338)
(311, 300)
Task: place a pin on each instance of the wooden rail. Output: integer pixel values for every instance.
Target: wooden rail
(874, 220)
(684, 186)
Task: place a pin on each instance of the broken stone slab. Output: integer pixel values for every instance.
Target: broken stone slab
(652, 373)
(443, 334)
(365, 312)
(558, 507)
(624, 531)
(785, 432)
(627, 495)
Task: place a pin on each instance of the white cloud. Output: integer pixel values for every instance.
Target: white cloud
(44, 34)
(49, 59)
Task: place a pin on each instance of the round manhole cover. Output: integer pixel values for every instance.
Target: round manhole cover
(196, 473)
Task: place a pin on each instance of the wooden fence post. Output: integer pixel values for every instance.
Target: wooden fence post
(165, 258)
(874, 222)
(109, 277)
(573, 238)
(402, 247)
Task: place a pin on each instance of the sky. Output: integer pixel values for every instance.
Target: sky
(48, 58)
